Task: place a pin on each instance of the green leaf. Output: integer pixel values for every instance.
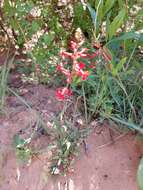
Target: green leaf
(140, 14)
(8, 9)
(108, 5)
(92, 13)
(119, 66)
(18, 142)
(48, 38)
(114, 93)
(116, 23)
(99, 6)
(14, 24)
(35, 26)
(121, 3)
(107, 24)
(140, 175)
(128, 36)
(101, 12)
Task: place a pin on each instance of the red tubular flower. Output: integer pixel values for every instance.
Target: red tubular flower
(59, 68)
(66, 72)
(82, 53)
(69, 79)
(68, 92)
(92, 55)
(62, 93)
(73, 46)
(85, 74)
(78, 68)
(81, 65)
(92, 65)
(59, 94)
(65, 54)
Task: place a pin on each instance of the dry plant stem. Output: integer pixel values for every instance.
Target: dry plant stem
(75, 109)
(111, 142)
(4, 75)
(66, 106)
(123, 88)
(131, 56)
(2, 27)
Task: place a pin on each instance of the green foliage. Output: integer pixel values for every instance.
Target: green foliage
(23, 152)
(103, 12)
(68, 140)
(116, 23)
(115, 90)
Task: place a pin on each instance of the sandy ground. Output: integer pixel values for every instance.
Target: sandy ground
(106, 165)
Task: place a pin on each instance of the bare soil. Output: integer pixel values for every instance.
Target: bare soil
(106, 165)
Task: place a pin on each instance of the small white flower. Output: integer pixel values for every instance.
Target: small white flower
(35, 12)
(56, 171)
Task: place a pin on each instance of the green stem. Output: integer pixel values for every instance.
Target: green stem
(85, 105)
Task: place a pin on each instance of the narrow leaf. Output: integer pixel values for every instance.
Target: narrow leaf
(92, 13)
(119, 66)
(116, 23)
(108, 5)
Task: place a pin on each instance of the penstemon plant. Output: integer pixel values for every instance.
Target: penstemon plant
(73, 68)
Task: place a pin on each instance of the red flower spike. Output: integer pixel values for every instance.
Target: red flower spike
(76, 67)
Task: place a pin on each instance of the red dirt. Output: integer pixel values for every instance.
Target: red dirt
(107, 165)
